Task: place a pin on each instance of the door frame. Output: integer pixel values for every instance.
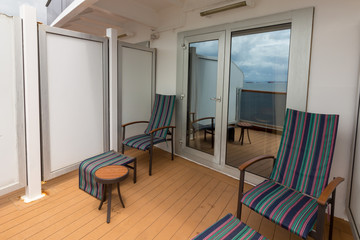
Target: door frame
(182, 91)
(298, 77)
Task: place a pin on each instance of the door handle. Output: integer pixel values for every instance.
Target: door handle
(216, 99)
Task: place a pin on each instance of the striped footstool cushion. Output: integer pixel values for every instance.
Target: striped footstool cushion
(142, 141)
(290, 209)
(89, 166)
(229, 227)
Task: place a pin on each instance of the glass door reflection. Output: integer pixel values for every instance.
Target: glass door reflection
(202, 90)
(257, 95)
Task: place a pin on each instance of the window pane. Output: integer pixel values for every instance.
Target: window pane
(203, 66)
(257, 95)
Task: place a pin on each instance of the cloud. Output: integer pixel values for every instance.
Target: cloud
(263, 57)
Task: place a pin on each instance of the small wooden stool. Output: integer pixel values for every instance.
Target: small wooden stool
(243, 126)
(107, 176)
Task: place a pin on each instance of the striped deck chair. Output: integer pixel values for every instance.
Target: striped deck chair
(157, 129)
(229, 228)
(297, 192)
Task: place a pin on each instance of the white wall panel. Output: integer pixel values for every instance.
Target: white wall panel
(12, 153)
(74, 99)
(137, 84)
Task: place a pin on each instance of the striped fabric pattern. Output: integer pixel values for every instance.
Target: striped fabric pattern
(306, 150)
(161, 114)
(89, 166)
(229, 227)
(142, 141)
(290, 209)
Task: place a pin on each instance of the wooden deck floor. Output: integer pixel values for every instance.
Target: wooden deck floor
(180, 200)
(261, 143)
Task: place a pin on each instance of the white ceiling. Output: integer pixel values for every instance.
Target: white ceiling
(95, 16)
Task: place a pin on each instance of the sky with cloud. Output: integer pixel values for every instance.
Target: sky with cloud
(263, 57)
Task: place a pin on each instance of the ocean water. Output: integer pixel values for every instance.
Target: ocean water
(266, 86)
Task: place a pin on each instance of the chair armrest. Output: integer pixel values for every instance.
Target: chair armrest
(328, 190)
(160, 128)
(254, 160)
(200, 119)
(130, 123)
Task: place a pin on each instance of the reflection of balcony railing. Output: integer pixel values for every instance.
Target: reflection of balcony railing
(55, 7)
(265, 109)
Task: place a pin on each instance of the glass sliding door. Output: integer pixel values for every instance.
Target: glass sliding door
(202, 104)
(257, 94)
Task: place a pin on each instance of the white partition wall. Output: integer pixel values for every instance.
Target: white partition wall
(353, 207)
(74, 98)
(12, 129)
(136, 75)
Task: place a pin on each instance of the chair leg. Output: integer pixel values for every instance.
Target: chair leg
(241, 190)
(332, 214)
(172, 145)
(320, 222)
(150, 161)
(151, 153)
(123, 146)
(135, 170)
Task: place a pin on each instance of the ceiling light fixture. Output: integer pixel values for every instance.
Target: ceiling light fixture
(127, 34)
(227, 7)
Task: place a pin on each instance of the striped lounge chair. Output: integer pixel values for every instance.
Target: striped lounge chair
(297, 192)
(88, 167)
(229, 228)
(157, 129)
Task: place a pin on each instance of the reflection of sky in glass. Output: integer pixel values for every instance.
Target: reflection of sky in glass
(207, 48)
(263, 57)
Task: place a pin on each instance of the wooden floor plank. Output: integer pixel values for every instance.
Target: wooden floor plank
(94, 217)
(214, 213)
(135, 212)
(196, 217)
(178, 219)
(178, 201)
(160, 223)
(135, 229)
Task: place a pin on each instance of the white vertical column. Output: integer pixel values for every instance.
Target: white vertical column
(113, 87)
(32, 109)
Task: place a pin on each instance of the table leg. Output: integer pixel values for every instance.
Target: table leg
(118, 187)
(103, 196)
(109, 188)
(248, 135)
(241, 136)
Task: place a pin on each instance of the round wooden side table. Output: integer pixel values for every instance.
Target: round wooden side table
(108, 176)
(243, 126)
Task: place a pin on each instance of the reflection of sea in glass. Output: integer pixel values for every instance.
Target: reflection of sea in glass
(256, 113)
(202, 80)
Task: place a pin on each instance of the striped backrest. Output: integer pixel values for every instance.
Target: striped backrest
(161, 114)
(306, 150)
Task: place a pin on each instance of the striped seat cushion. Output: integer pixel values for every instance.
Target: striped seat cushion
(89, 166)
(161, 114)
(290, 209)
(229, 227)
(306, 150)
(142, 141)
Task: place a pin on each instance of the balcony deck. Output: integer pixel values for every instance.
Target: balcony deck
(180, 200)
(261, 143)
